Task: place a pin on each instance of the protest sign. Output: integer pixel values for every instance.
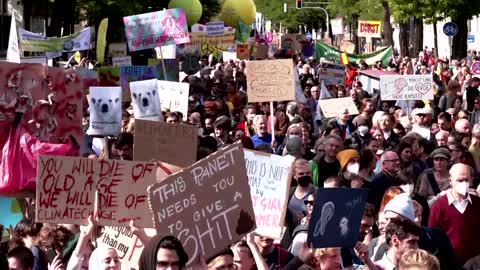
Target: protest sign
(292, 41)
(105, 111)
(222, 42)
(145, 100)
(117, 49)
(334, 106)
(406, 87)
(69, 189)
(128, 246)
(260, 51)
(135, 73)
(371, 29)
(166, 52)
(215, 28)
(174, 97)
(122, 61)
(155, 29)
(347, 46)
(32, 42)
(336, 217)
(270, 80)
(243, 53)
(337, 26)
(227, 56)
(269, 179)
(13, 51)
(153, 140)
(332, 74)
(207, 206)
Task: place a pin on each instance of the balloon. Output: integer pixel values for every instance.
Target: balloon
(193, 9)
(232, 10)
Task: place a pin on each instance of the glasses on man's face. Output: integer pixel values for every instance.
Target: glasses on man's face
(308, 202)
(392, 160)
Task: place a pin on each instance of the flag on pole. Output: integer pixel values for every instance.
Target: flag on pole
(343, 58)
(102, 40)
(13, 52)
(243, 31)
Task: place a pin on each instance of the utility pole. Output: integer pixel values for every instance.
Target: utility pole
(316, 5)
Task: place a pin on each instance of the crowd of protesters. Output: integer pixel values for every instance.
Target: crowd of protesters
(421, 166)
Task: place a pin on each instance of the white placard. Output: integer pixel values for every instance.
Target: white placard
(122, 61)
(215, 28)
(174, 96)
(406, 87)
(105, 111)
(145, 100)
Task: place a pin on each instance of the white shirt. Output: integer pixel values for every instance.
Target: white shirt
(386, 134)
(385, 263)
(460, 205)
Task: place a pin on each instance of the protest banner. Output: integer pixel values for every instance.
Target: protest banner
(155, 29)
(128, 246)
(332, 74)
(13, 51)
(215, 28)
(32, 42)
(153, 140)
(270, 80)
(336, 217)
(243, 52)
(174, 97)
(371, 29)
(334, 106)
(122, 61)
(269, 179)
(135, 73)
(105, 111)
(117, 49)
(69, 189)
(406, 87)
(145, 100)
(222, 42)
(34, 60)
(206, 206)
(323, 50)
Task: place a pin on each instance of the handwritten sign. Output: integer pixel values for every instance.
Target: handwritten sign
(174, 97)
(332, 74)
(223, 42)
(406, 87)
(270, 80)
(331, 107)
(372, 29)
(113, 191)
(269, 179)
(172, 143)
(128, 246)
(155, 29)
(215, 28)
(336, 217)
(207, 206)
(122, 61)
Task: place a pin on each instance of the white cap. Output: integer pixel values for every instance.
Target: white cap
(401, 204)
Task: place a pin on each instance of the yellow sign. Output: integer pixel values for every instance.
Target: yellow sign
(221, 42)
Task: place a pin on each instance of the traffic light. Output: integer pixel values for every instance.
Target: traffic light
(299, 4)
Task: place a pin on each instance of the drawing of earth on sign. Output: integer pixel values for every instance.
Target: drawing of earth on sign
(274, 75)
(400, 84)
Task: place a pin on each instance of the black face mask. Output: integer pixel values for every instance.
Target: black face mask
(304, 181)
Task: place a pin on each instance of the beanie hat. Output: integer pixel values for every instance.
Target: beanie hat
(401, 204)
(345, 156)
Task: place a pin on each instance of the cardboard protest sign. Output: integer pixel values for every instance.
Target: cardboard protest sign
(117, 49)
(128, 246)
(332, 74)
(145, 100)
(207, 206)
(372, 29)
(406, 87)
(269, 179)
(135, 73)
(69, 189)
(215, 28)
(222, 42)
(336, 217)
(154, 140)
(260, 51)
(334, 106)
(122, 61)
(174, 96)
(155, 29)
(292, 41)
(105, 111)
(270, 80)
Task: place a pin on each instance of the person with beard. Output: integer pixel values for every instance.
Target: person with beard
(386, 123)
(368, 109)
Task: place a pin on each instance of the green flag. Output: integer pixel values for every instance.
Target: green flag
(384, 55)
(243, 31)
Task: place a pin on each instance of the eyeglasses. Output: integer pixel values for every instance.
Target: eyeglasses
(307, 202)
(392, 160)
